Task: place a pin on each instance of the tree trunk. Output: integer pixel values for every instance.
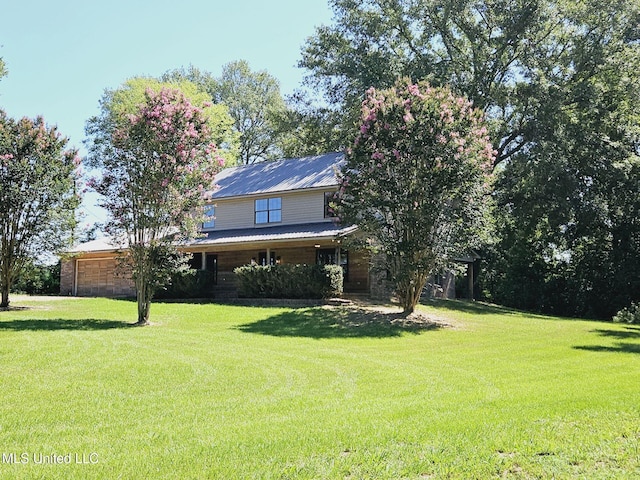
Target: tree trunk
(408, 306)
(4, 303)
(411, 292)
(144, 302)
(410, 299)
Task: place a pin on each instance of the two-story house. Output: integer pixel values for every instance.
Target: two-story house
(265, 213)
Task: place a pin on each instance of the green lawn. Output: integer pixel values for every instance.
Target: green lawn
(215, 391)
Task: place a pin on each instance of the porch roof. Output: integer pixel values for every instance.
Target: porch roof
(310, 231)
(278, 233)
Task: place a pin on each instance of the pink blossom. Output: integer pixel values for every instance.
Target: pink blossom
(414, 90)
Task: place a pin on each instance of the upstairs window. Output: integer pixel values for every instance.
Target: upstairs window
(268, 210)
(210, 221)
(328, 200)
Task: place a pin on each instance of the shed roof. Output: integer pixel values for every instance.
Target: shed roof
(279, 176)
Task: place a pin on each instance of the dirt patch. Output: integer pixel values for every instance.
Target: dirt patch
(17, 302)
(362, 313)
(39, 298)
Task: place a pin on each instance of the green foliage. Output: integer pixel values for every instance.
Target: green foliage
(289, 281)
(189, 284)
(560, 85)
(254, 102)
(416, 179)
(3, 68)
(306, 129)
(629, 314)
(508, 57)
(38, 280)
(569, 209)
(37, 195)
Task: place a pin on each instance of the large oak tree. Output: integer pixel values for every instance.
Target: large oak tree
(559, 82)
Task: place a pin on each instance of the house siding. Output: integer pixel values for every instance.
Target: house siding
(297, 208)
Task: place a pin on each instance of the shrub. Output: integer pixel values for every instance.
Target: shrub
(289, 281)
(630, 314)
(38, 280)
(189, 284)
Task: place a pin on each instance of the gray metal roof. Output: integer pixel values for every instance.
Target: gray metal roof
(104, 244)
(279, 176)
(310, 231)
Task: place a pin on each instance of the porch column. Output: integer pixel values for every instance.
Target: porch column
(470, 280)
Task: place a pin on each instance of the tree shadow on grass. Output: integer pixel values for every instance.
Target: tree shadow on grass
(629, 333)
(466, 306)
(41, 324)
(618, 347)
(351, 322)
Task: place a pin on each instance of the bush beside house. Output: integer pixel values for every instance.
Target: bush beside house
(189, 284)
(289, 281)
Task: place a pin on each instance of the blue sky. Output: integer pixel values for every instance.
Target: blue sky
(62, 55)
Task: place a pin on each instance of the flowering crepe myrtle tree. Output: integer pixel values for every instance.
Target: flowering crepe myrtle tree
(416, 180)
(157, 166)
(37, 195)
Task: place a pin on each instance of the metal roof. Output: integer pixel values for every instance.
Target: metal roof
(309, 231)
(279, 176)
(104, 244)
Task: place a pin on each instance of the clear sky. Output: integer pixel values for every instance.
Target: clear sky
(61, 55)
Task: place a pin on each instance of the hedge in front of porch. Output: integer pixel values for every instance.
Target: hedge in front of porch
(289, 281)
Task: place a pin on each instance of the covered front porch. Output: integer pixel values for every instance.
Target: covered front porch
(222, 252)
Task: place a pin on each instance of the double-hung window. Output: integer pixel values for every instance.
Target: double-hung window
(210, 221)
(329, 198)
(268, 210)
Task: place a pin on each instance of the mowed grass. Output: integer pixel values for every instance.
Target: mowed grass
(218, 391)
